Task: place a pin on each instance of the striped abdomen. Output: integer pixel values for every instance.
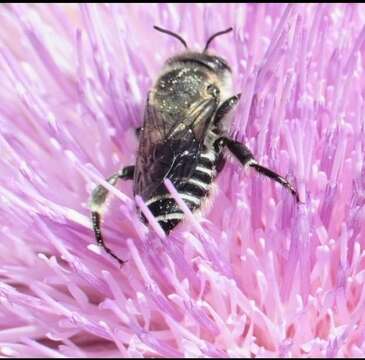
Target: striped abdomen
(192, 190)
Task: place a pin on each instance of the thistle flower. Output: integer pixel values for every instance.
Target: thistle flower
(259, 275)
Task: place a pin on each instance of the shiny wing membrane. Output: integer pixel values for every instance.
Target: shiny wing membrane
(169, 148)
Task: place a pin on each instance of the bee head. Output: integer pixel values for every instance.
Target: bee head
(212, 62)
(198, 73)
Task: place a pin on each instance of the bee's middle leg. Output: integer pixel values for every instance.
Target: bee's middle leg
(245, 157)
(98, 198)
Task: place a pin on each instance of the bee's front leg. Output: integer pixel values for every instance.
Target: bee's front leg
(245, 157)
(98, 198)
(225, 108)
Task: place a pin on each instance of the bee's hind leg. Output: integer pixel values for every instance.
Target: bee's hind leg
(98, 198)
(245, 157)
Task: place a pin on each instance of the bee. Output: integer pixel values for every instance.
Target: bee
(183, 138)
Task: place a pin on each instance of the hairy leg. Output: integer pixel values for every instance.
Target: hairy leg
(245, 157)
(98, 198)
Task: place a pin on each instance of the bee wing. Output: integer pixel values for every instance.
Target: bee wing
(169, 149)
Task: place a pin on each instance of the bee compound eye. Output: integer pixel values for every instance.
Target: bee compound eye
(213, 90)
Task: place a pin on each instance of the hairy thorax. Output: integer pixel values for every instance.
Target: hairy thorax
(177, 89)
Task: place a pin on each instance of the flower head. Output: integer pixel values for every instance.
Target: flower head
(259, 275)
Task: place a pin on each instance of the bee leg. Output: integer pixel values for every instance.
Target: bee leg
(244, 155)
(98, 199)
(226, 107)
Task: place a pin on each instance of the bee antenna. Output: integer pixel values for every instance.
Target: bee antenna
(214, 36)
(172, 34)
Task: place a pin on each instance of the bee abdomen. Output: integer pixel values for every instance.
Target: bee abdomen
(167, 212)
(192, 190)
